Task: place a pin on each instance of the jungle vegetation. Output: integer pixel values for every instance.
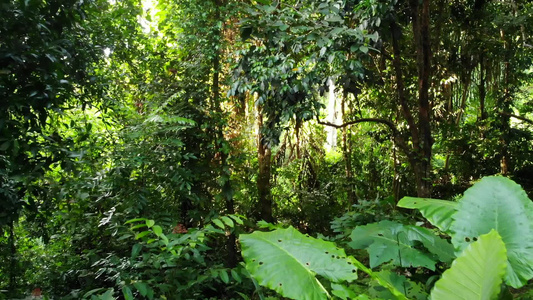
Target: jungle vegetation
(258, 149)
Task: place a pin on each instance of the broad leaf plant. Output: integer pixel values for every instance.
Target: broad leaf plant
(491, 230)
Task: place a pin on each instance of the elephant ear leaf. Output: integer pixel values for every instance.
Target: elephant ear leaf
(287, 261)
(501, 204)
(390, 241)
(437, 212)
(477, 273)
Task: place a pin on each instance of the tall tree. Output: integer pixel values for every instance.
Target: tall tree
(48, 59)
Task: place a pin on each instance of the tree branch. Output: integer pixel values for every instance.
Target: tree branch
(516, 117)
(397, 138)
(373, 120)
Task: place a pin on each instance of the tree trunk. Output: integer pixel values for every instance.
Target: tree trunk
(422, 172)
(396, 176)
(504, 104)
(264, 157)
(297, 130)
(221, 143)
(482, 89)
(346, 153)
(462, 106)
(422, 141)
(423, 50)
(231, 242)
(12, 258)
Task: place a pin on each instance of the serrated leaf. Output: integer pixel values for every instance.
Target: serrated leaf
(437, 212)
(390, 241)
(286, 261)
(477, 273)
(498, 203)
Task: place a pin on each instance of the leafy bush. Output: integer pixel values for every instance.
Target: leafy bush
(365, 212)
(176, 265)
(289, 262)
(490, 229)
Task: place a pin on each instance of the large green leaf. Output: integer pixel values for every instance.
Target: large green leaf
(498, 203)
(437, 212)
(287, 261)
(441, 248)
(386, 241)
(477, 273)
(412, 290)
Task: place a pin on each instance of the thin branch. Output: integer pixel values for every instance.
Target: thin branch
(516, 117)
(397, 137)
(373, 120)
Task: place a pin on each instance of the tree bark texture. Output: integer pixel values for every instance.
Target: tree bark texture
(346, 153)
(12, 258)
(482, 89)
(264, 158)
(419, 154)
(423, 50)
(504, 103)
(221, 142)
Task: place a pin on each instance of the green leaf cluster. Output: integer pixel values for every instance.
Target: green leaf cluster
(490, 243)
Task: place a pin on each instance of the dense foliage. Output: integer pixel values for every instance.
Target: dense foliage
(225, 149)
(286, 260)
